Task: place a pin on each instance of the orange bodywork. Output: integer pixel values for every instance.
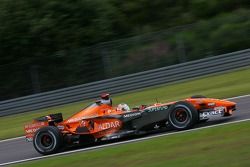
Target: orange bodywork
(94, 120)
(201, 103)
(90, 118)
(30, 129)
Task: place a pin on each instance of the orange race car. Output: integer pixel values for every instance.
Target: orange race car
(101, 121)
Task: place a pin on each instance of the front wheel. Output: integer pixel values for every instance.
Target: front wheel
(48, 140)
(182, 115)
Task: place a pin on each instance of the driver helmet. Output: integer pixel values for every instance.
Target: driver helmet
(123, 107)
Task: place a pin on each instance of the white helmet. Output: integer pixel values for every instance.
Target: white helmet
(123, 107)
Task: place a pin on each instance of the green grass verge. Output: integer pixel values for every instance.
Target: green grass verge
(219, 86)
(223, 146)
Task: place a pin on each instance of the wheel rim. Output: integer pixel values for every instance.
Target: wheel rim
(46, 140)
(180, 117)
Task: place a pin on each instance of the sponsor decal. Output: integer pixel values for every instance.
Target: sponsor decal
(29, 139)
(34, 125)
(131, 115)
(109, 111)
(88, 124)
(33, 130)
(75, 119)
(160, 108)
(156, 126)
(115, 137)
(107, 125)
(83, 123)
(211, 104)
(105, 133)
(80, 118)
(220, 109)
(216, 111)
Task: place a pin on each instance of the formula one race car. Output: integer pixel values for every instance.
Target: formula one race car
(100, 121)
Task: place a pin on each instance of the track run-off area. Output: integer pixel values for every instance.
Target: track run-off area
(17, 150)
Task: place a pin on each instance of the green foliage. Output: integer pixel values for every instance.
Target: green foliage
(211, 37)
(54, 38)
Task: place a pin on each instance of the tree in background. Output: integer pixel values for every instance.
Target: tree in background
(46, 45)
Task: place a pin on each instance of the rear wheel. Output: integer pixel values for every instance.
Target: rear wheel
(48, 140)
(182, 115)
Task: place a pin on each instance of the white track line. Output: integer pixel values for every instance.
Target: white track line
(122, 142)
(16, 138)
(238, 97)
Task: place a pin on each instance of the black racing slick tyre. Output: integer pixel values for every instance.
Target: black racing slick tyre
(48, 140)
(182, 115)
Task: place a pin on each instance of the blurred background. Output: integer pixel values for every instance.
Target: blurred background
(47, 45)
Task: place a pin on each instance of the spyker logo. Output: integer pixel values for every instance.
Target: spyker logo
(216, 111)
(81, 118)
(157, 108)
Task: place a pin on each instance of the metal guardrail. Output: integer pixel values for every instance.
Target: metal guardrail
(128, 82)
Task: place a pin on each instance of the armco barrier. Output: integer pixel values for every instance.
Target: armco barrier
(128, 82)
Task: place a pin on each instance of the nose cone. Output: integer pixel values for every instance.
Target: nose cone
(231, 106)
(228, 103)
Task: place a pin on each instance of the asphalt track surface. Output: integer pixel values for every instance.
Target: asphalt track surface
(18, 150)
